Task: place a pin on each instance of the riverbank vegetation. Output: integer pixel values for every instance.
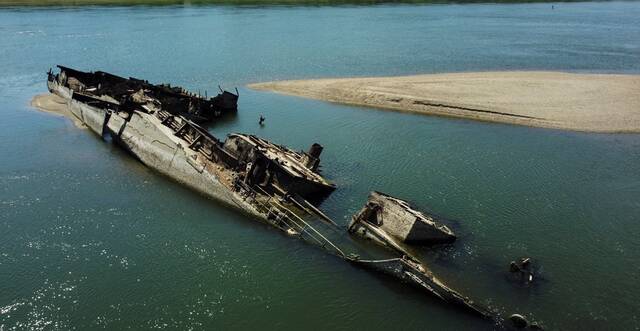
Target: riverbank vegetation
(5, 3)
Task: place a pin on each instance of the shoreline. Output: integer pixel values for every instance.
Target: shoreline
(605, 103)
(80, 3)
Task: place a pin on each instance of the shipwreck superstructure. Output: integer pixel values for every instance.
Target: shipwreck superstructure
(132, 93)
(272, 183)
(279, 169)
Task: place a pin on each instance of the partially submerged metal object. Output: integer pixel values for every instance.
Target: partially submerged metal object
(131, 93)
(521, 322)
(266, 180)
(523, 271)
(392, 222)
(413, 272)
(271, 182)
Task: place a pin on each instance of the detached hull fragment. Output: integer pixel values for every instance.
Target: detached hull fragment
(394, 223)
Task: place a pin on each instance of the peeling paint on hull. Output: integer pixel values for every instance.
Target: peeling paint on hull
(154, 145)
(143, 136)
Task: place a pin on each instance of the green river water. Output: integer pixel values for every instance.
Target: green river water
(91, 239)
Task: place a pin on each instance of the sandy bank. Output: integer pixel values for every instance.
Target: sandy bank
(54, 104)
(581, 102)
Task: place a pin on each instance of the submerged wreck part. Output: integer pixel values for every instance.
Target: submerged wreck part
(132, 93)
(523, 271)
(412, 272)
(393, 222)
(521, 322)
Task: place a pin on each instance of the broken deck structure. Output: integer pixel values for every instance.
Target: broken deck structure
(129, 93)
(394, 223)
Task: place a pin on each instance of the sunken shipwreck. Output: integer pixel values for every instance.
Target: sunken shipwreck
(160, 125)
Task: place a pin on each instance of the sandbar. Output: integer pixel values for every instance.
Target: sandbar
(560, 100)
(54, 104)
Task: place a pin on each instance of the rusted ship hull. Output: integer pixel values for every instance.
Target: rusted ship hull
(94, 118)
(261, 179)
(186, 153)
(156, 147)
(131, 92)
(144, 137)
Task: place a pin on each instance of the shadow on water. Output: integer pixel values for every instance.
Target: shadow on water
(224, 120)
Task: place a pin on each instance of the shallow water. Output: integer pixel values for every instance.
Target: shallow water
(90, 238)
